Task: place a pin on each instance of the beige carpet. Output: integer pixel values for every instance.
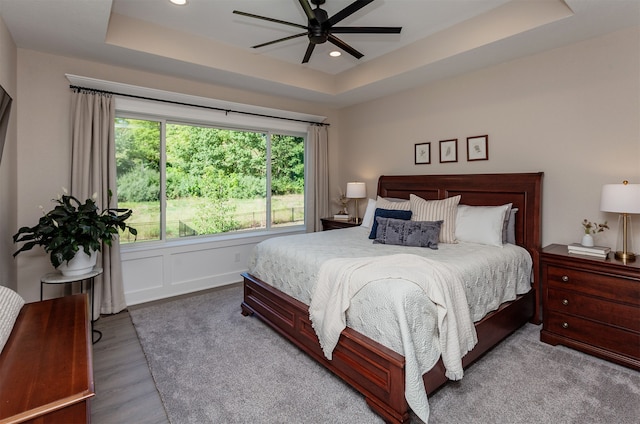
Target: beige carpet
(213, 365)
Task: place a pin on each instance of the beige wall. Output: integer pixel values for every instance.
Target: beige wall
(573, 113)
(8, 63)
(44, 138)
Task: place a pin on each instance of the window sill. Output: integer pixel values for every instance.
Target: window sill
(196, 242)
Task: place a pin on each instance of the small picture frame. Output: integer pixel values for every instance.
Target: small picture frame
(449, 150)
(423, 153)
(478, 148)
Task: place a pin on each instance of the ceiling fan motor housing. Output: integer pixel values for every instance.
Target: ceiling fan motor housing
(318, 31)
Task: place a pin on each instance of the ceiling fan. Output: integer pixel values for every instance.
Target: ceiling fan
(320, 27)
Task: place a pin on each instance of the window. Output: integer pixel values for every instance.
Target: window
(214, 180)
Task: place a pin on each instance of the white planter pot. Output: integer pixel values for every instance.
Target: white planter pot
(80, 264)
(587, 240)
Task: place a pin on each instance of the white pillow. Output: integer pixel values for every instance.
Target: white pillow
(437, 210)
(367, 219)
(402, 205)
(509, 230)
(10, 305)
(481, 224)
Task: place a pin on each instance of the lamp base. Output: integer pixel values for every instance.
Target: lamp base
(625, 256)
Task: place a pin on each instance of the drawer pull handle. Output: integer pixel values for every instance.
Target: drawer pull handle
(565, 325)
(565, 278)
(565, 302)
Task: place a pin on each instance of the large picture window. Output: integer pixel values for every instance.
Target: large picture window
(186, 180)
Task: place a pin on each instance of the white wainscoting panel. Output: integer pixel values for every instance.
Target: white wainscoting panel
(158, 271)
(143, 273)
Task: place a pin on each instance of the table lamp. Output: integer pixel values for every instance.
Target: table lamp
(356, 190)
(623, 199)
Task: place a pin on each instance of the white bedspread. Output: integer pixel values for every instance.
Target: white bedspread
(491, 276)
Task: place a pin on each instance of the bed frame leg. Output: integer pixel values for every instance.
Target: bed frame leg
(245, 311)
(394, 417)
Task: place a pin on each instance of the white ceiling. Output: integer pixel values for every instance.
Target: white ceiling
(205, 41)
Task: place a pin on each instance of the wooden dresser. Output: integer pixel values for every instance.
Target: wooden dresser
(46, 370)
(591, 304)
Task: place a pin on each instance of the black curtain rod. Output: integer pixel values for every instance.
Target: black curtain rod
(226, 111)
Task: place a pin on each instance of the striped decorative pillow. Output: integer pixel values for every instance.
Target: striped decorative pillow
(398, 205)
(437, 210)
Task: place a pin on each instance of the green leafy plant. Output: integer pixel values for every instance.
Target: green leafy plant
(593, 227)
(72, 224)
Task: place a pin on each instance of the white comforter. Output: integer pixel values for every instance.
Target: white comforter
(396, 312)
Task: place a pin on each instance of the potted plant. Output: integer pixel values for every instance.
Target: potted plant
(72, 226)
(590, 229)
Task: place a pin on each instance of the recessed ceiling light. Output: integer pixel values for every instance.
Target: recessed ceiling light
(335, 53)
(179, 2)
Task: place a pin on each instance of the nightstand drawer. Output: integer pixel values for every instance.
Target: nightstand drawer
(596, 334)
(607, 312)
(593, 283)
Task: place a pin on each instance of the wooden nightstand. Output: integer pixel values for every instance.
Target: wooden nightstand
(334, 224)
(591, 304)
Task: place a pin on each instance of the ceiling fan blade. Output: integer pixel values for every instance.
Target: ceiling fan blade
(307, 55)
(279, 40)
(344, 46)
(366, 30)
(308, 11)
(264, 18)
(352, 8)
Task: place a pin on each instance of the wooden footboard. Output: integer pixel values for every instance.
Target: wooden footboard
(371, 368)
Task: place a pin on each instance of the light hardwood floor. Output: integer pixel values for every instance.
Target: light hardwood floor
(125, 391)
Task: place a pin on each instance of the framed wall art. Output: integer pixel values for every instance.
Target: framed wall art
(478, 148)
(423, 153)
(449, 150)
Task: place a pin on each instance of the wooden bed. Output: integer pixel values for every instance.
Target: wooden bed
(375, 370)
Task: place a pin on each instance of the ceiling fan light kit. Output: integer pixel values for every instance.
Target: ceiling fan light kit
(320, 27)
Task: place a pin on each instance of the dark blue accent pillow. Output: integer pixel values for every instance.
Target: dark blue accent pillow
(387, 213)
(408, 233)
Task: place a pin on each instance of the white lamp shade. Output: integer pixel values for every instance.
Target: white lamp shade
(356, 190)
(620, 198)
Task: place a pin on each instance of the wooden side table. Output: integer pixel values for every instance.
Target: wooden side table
(334, 224)
(88, 279)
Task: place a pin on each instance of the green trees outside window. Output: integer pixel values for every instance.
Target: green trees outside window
(214, 180)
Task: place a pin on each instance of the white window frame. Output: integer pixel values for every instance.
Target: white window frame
(176, 114)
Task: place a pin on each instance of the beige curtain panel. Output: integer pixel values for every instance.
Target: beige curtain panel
(317, 175)
(93, 170)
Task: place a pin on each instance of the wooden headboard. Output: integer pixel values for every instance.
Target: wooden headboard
(523, 190)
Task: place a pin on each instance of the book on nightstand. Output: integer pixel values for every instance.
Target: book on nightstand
(596, 251)
(341, 217)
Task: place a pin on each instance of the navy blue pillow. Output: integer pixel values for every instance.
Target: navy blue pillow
(387, 213)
